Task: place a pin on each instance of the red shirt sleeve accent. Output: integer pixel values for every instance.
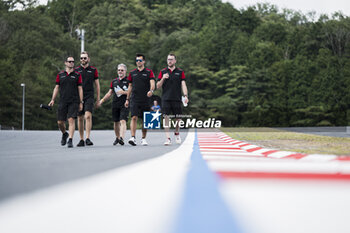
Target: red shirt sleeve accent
(151, 75)
(130, 78)
(80, 80)
(96, 74)
(112, 85)
(183, 76)
(58, 79)
(160, 76)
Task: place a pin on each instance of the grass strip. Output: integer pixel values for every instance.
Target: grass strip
(291, 141)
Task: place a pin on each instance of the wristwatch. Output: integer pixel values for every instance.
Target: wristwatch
(82, 101)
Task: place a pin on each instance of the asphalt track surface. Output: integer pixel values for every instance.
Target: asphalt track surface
(31, 160)
(339, 131)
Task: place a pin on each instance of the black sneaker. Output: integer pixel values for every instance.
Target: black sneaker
(81, 143)
(116, 141)
(64, 138)
(121, 141)
(88, 142)
(70, 143)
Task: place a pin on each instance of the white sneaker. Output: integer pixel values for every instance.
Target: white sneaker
(167, 142)
(144, 142)
(178, 138)
(132, 141)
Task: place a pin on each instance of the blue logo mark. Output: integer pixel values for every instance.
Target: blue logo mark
(151, 120)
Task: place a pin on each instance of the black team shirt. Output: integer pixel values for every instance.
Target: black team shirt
(172, 85)
(89, 75)
(140, 84)
(118, 85)
(69, 86)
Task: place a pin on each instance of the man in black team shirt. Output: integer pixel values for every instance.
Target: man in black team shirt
(119, 86)
(141, 87)
(172, 80)
(90, 77)
(68, 84)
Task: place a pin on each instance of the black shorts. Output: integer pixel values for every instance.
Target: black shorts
(120, 113)
(87, 106)
(170, 107)
(67, 110)
(137, 109)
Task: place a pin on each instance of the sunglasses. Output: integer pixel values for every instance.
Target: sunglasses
(70, 61)
(83, 58)
(139, 60)
(120, 70)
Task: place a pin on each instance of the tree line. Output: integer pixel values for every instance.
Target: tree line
(259, 66)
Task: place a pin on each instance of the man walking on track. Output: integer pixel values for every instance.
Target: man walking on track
(172, 80)
(90, 77)
(119, 86)
(68, 84)
(141, 87)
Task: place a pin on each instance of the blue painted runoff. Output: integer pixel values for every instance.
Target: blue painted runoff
(203, 209)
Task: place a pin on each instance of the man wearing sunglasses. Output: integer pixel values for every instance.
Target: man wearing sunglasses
(172, 80)
(141, 87)
(69, 85)
(90, 77)
(119, 86)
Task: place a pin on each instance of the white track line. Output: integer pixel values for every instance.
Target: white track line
(143, 197)
(289, 166)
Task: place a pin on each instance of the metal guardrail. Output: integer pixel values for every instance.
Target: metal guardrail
(4, 127)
